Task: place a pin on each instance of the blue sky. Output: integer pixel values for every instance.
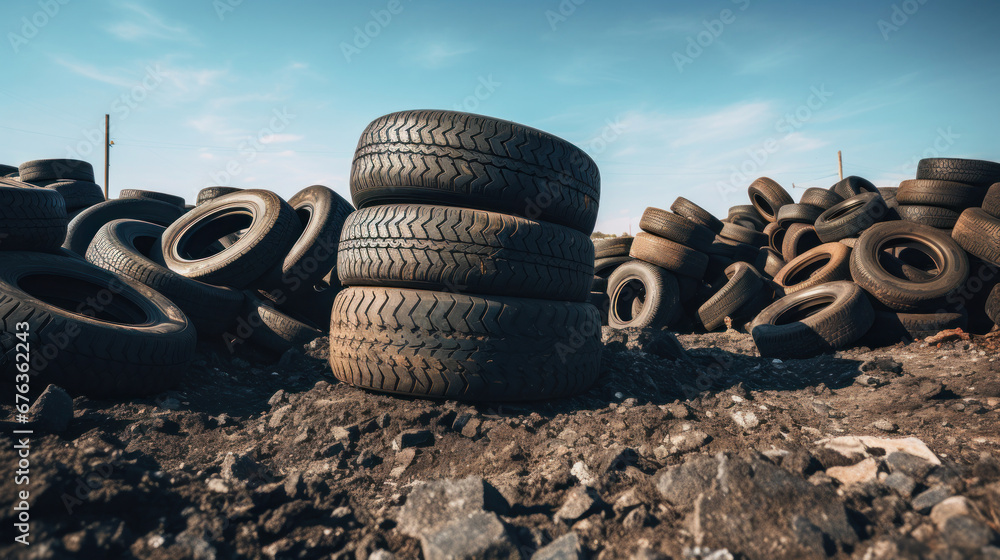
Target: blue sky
(670, 98)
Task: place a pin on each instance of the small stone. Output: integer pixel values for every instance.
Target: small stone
(412, 438)
(277, 398)
(294, 487)
(479, 535)
(239, 467)
(52, 410)
(578, 503)
(566, 547)
(627, 500)
(885, 425)
(689, 441)
(682, 484)
(381, 554)
(680, 411)
(950, 507)
(403, 460)
(968, 534)
(907, 464)
(471, 428)
(902, 484)
(217, 485)
(349, 434)
(169, 403)
(367, 459)
(865, 471)
(927, 499)
(583, 474)
(746, 419)
(430, 505)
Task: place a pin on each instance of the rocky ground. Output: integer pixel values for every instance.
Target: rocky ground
(697, 450)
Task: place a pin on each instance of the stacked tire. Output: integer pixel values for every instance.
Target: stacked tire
(73, 179)
(944, 189)
(468, 264)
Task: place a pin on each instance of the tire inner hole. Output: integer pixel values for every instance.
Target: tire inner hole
(910, 260)
(806, 270)
(804, 309)
(214, 234)
(626, 296)
(763, 205)
(83, 297)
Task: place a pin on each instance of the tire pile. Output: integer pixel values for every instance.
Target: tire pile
(468, 264)
(852, 264)
(114, 294)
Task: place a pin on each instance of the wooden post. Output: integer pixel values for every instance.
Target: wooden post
(107, 151)
(840, 164)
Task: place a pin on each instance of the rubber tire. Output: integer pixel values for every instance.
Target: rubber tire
(850, 187)
(143, 348)
(900, 294)
(993, 305)
(86, 224)
(836, 267)
(814, 321)
(851, 217)
(979, 233)
(942, 194)
(743, 284)
(823, 198)
(940, 218)
(466, 347)
(723, 247)
(30, 219)
(322, 214)
(676, 228)
(669, 255)
(153, 195)
(744, 235)
(273, 229)
(599, 284)
(971, 172)
(747, 212)
(798, 214)
(272, 329)
(769, 262)
(211, 193)
(768, 197)
(991, 204)
(656, 288)
(212, 309)
(460, 159)
(775, 236)
(605, 266)
(51, 169)
(441, 248)
(8, 171)
(612, 247)
(799, 239)
(77, 194)
(697, 214)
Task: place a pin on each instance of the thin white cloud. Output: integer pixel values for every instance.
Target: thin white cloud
(280, 138)
(143, 23)
(92, 72)
(438, 54)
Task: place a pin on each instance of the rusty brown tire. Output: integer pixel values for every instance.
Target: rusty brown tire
(869, 270)
(775, 235)
(799, 239)
(674, 227)
(466, 347)
(991, 204)
(979, 233)
(669, 255)
(993, 305)
(813, 321)
(742, 285)
(643, 296)
(742, 234)
(829, 262)
(697, 214)
(970, 171)
(769, 262)
(942, 194)
(823, 198)
(746, 213)
(612, 247)
(940, 218)
(851, 217)
(768, 197)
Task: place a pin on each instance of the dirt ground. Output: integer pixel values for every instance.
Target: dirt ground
(256, 458)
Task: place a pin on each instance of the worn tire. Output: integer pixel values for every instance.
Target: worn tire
(669, 255)
(993, 305)
(153, 195)
(460, 159)
(814, 321)
(991, 204)
(322, 214)
(605, 266)
(271, 225)
(612, 247)
(465, 347)
(822, 198)
(52, 169)
(969, 171)
(799, 239)
(744, 235)
(942, 194)
(768, 197)
(655, 288)
(850, 187)
(123, 247)
(86, 224)
(775, 236)
(30, 219)
(697, 214)
(442, 248)
(851, 217)
(829, 262)
(798, 214)
(272, 329)
(77, 194)
(108, 337)
(211, 193)
(901, 294)
(676, 228)
(940, 218)
(769, 262)
(979, 233)
(743, 283)
(749, 213)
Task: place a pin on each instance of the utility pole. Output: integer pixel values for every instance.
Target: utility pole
(107, 151)
(840, 164)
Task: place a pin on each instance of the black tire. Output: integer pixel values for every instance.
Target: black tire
(460, 159)
(715, 273)
(851, 217)
(51, 169)
(850, 187)
(8, 171)
(744, 235)
(271, 229)
(676, 228)
(211, 193)
(441, 248)
(768, 197)
(669, 255)
(599, 284)
(901, 294)
(272, 329)
(697, 214)
(799, 239)
(656, 289)
(822, 198)
(30, 219)
(798, 214)
(604, 267)
(829, 262)
(993, 305)
(742, 286)
(775, 236)
(612, 247)
(124, 247)
(747, 212)
(769, 262)
(153, 195)
(814, 321)
(940, 218)
(322, 214)
(465, 347)
(86, 224)
(91, 332)
(723, 247)
(969, 171)
(942, 194)
(602, 302)
(979, 233)
(77, 194)
(991, 204)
